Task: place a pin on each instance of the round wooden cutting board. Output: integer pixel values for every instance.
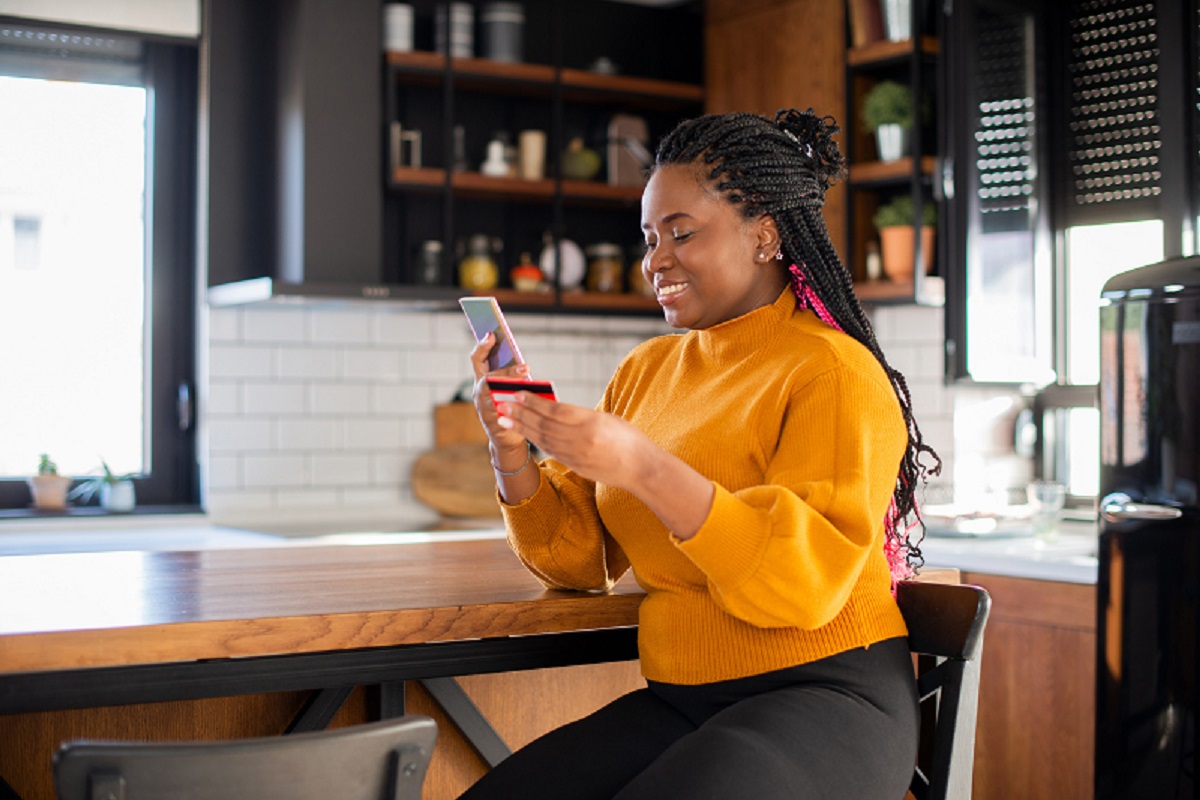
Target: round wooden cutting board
(457, 480)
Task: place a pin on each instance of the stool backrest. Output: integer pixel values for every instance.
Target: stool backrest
(945, 632)
(374, 761)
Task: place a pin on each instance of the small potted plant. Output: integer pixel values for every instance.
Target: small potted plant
(896, 222)
(887, 112)
(116, 491)
(49, 489)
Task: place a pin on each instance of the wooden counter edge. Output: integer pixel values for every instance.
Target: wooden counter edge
(244, 638)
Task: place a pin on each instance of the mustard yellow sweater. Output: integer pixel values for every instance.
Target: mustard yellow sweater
(800, 432)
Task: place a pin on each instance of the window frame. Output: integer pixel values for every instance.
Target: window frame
(170, 73)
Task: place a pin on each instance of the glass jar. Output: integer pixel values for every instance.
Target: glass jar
(478, 271)
(604, 268)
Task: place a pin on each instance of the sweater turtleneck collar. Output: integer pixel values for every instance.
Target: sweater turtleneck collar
(741, 336)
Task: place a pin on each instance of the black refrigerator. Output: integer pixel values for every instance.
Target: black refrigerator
(1149, 548)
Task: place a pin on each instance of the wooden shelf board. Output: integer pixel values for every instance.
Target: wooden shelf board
(418, 177)
(512, 299)
(595, 190)
(900, 169)
(609, 302)
(421, 61)
(581, 84)
(884, 51)
(630, 85)
(474, 184)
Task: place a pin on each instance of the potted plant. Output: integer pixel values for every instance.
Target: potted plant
(49, 489)
(896, 222)
(116, 491)
(887, 112)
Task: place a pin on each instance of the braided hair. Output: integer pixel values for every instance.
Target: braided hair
(782, 169)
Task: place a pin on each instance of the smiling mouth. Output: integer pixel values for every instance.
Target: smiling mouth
(668, 291)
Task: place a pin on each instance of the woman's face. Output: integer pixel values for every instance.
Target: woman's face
(708, 265)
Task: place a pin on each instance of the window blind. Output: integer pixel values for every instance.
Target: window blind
(1114, 134)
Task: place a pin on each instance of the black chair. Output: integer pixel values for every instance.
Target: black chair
(374, 761)
(945, 632)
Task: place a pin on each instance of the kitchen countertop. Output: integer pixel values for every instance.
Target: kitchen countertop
(1016, 553)
(1011, 551)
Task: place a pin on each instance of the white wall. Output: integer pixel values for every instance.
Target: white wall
(321, 411)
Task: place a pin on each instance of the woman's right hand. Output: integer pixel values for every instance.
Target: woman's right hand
(502, 438)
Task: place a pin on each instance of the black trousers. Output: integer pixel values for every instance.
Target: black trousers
(843, 728)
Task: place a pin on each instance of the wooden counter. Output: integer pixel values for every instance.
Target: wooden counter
(229, 643)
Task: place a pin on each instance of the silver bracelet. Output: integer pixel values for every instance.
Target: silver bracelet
(520, 469)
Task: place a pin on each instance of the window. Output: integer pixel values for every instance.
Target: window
(97, 265)
(1073, 110)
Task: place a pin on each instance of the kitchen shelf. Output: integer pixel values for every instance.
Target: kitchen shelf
(540, 80)
(881, 172)
(872, 183)
(477, 185)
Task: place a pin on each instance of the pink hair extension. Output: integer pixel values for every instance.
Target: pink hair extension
(808, 298)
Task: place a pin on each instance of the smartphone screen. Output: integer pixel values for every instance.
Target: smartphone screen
(485, 316)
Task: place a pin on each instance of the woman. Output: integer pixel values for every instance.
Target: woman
(757, 472)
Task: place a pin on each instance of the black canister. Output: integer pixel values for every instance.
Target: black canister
(502, 27)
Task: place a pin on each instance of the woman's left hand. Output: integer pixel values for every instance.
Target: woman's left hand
(598, 446)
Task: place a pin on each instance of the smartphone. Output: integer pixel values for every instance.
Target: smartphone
(485, 316)
(503, 389)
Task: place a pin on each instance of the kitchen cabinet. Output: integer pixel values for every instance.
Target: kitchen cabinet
(1035, 731)
(458, 106)
(873, 181)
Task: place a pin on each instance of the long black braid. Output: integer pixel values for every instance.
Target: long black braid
(782, 169)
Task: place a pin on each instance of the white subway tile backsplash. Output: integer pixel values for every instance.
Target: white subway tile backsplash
(340, 398)
(273, 398)
(262, 471)
(405, 398)
(343, 326)
(374, 434)
(224, 472)
(451, 331)
(224, 324)
(224, 398)
(376, 364)
(308, 434)
(391, 469)
(226, 360)
(341, 469)
(276, 325)
(434, 365)
(320, 363)
(404, 328)
(236, 435)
